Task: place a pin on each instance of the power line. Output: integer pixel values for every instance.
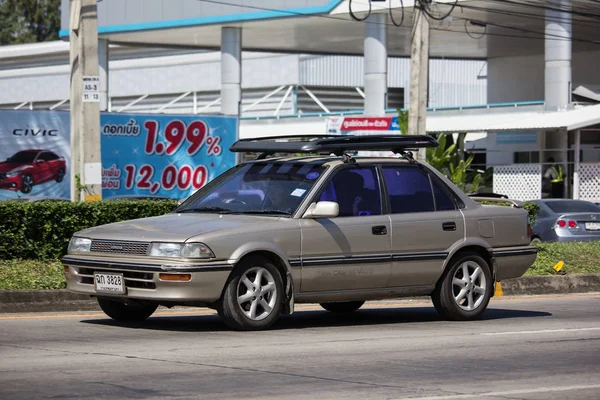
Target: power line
(330, 17)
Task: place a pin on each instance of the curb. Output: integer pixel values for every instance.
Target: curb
(25, 301)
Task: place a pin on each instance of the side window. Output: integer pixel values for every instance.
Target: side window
(442, 200)
(45, 156)
(356, 190)
(409, 189)
(50, 156)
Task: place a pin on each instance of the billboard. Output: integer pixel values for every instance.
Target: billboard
(35, 154)
(364, 126)
(156, 155)
(164, 155)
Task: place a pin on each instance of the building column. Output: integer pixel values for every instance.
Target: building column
(375, 65)
(577, 164)
(231, 70)
(103, 57)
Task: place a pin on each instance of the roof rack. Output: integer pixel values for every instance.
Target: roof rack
(333, 144)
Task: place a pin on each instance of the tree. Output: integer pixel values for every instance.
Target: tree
(29, 21)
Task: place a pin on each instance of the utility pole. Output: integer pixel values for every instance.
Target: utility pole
(86, 165)
(419, 68)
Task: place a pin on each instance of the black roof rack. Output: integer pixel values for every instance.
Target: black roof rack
(333, 144)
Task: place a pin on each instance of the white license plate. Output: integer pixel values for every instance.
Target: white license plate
(592, 226)
(109, 283)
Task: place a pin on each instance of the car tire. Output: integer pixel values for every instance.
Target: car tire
(60, 175)
(535, 241)
(253, 297)
(465, 289)
(26, 183)
(345, 307)
(130, 312)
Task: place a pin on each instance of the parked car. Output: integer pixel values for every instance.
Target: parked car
(332, 229)
(565, 220)
(27, 168)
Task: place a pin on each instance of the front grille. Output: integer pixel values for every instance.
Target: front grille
(116, 247)
(133, 279)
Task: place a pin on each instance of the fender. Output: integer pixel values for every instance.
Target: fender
(470, 241)
(251, 247)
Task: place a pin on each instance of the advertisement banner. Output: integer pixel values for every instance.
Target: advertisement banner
(364, 126)
(35, 154)
(142, 155)
(164, 155)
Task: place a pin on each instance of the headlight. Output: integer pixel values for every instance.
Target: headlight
(185, 250)
(79, 245)
(12, 173)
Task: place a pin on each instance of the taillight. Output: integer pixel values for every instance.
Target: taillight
(561, 223)
(572, 224)
(529, 231)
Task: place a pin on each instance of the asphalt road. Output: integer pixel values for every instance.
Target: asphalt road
(524, 348)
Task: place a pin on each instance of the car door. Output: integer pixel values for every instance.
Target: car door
(352, 250)
(41, 167)
(426, 223)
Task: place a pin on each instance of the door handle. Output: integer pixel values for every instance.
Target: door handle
(449, 226)
(379, 230)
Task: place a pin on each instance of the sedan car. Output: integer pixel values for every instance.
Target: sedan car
(333, 229)
(565, 220)
(27, 168)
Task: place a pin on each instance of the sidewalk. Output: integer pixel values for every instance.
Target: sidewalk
(22, 301)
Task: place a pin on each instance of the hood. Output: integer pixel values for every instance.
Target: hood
(8, 167)
(171, 227)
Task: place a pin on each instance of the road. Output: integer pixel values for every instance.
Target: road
(525, 348)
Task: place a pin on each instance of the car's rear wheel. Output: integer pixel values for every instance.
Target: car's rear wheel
(345, 307)
(253, 298)
(60, 175)
(120, 311)
(465, 289)
(26, 183)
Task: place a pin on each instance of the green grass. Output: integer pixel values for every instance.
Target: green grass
(31, 275)
(579, 258)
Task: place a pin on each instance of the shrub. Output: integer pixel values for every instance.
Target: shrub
(42, 230)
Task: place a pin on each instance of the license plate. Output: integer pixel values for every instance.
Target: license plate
(592, 226)
(109, 283)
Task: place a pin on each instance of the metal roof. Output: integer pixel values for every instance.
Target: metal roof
(511, 120)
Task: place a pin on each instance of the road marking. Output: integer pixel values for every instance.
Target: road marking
(505, 393)
(541, 331)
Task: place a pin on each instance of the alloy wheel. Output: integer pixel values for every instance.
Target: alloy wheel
(257, 293)
(469, 286)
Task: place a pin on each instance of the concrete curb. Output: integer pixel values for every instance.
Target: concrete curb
(24, 301)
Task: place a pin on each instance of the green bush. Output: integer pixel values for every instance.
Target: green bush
(41, 230)
(532, 208)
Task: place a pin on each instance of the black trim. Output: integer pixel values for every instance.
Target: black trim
(420, 256)
(145, 267)
(514, 252)
(334, 143)
(295, 262)
(335, 260)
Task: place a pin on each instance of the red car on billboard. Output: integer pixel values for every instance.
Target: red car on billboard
(27, 168)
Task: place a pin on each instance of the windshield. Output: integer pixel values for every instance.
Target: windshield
(22, 157)
(263, 188)
(572, 206)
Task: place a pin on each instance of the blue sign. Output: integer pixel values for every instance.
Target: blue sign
(163, 155)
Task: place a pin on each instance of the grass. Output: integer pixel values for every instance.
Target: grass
(578, 258)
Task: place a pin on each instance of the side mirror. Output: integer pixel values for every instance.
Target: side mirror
(323, 209)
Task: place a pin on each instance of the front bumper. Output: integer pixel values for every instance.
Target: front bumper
(12, 183)
(142, 280)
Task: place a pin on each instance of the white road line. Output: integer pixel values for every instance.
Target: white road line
(505, 393)
(541, 331)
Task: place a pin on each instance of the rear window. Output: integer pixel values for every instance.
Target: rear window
(572, 206)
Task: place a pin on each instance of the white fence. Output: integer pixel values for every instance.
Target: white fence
(519, 181)
(589, 182)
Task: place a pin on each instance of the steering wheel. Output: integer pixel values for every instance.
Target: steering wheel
(233, 200)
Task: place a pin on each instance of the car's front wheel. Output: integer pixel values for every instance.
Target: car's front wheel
(465, 289)
(26, 183)
(253, 298)
(60, 175)
(121, 311)
(345, 307)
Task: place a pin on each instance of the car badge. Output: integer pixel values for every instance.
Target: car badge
(593, 217)
(116, 247)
